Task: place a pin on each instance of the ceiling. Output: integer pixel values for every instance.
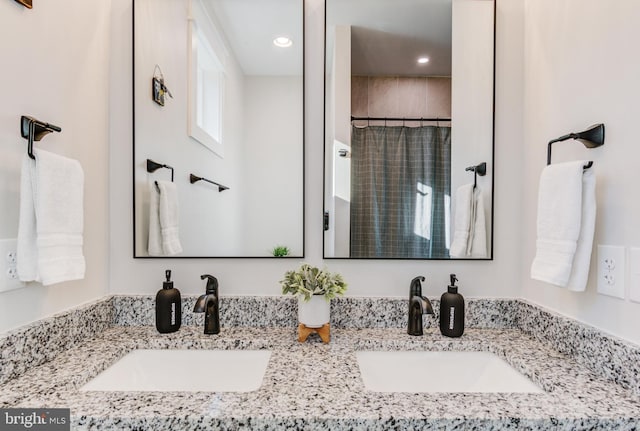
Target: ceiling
(387, 36)
(250, 26)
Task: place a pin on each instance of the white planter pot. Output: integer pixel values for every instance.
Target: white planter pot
(313, 313)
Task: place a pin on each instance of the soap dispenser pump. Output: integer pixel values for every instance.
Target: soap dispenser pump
(452, 310)
(168, 307)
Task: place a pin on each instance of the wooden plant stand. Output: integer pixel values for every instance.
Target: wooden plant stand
(324, 332)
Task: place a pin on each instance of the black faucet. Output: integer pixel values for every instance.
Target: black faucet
(208, 304)
(418, 305)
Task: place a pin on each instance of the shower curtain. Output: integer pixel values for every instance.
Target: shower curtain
(400, 191)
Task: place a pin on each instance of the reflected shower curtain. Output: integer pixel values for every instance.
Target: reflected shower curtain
(400, 191)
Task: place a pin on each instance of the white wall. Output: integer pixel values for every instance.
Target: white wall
(271, 201)
(365, 278)
(472, 99)
(580, 70)
(55, 67)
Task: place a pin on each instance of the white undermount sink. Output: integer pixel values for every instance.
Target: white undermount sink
(419, 371)
(184, 370)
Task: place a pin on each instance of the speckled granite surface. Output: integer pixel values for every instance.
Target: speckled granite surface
(608, 356)
(313, 386)
(43, 340)
(575, 363)
(346, 312)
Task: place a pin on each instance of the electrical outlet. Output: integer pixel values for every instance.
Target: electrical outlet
(9, 274)
(634, 274)
(611, 270)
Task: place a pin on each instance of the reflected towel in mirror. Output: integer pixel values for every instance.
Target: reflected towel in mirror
(470, 233)
(164, 238)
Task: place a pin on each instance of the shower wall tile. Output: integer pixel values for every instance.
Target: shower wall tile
(360, 96)
(438, 97)
(400, 97)
(412, 97)
(383, 99)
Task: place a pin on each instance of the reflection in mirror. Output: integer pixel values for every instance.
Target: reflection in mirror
(233, 119)
(408, 118)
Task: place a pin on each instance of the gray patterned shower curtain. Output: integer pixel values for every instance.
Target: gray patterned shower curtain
(400, 191)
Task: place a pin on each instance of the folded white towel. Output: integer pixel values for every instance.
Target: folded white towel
(582, 259)
(51, 219)
(164, 237)
(566, 225)
(470, 232)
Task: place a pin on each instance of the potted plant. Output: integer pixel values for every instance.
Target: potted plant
(280, 251)
(314, 288)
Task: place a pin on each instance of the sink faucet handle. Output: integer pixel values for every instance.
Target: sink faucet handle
(212, 283)
(415, 288)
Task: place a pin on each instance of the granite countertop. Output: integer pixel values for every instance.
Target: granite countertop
(314, 386)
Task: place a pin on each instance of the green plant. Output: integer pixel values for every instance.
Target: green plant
(280, 251)
(309, 280)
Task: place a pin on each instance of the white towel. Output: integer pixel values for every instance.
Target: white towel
(477, 247)
(566, 225)
(51, 219)
(164, 238)
(155, 232)
(461, 222)
(470, 234)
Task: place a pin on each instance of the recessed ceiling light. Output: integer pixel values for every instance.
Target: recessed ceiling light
(282, 42)
(423, 60)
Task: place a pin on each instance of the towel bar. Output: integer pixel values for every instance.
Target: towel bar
(195, 178)
(593, 137)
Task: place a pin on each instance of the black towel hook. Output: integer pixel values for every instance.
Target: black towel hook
(480, 169)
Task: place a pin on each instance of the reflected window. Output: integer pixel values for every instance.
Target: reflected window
(424, 204)
(206, 80)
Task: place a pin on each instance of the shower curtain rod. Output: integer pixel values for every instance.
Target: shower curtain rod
(397, 119)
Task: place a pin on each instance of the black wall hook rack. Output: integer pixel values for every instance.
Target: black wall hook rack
(154, 166)
(195, 179)
(34, 130)
(593, 137)
(480, 169)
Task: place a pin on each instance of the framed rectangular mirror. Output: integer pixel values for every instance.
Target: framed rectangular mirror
(409, 129)
(219, 125)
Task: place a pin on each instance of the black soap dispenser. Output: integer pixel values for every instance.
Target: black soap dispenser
(168, 307)
(452, 310)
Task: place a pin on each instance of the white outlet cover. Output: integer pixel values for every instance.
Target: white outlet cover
(8, 280)
(634, 274)
(611, 273)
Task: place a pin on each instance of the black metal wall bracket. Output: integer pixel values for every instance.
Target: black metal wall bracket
(154, 166)
(34, 130)
(593, 137)
(480, 169)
